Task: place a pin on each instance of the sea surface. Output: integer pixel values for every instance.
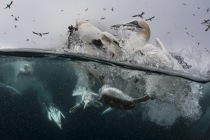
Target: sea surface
(183, 112)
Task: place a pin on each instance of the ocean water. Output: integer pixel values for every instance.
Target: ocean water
(180, 110)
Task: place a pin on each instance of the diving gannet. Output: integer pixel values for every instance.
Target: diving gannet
(151, 54)
(141, 37)
(55, 115)
(87, 98)
(115, 98)
(25, 71)
(103, 41)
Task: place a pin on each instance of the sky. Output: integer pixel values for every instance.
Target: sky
(173, 21)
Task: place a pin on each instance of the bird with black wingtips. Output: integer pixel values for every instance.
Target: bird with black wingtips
(208, 27)
(40, 34)
(205, 21)
(139, 15)
(150, 19)
(8, 5)
(103, 41)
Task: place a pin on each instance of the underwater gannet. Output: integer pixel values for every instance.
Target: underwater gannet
(87, 99)
(55, 115)
(25, 71)
(115, 98)
(103, 41)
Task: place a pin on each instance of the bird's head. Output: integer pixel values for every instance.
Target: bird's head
(139, 26)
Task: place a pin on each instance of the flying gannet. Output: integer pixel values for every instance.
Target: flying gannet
(103, 41)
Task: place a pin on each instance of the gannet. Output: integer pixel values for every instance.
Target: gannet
(103, 41)
(87, 98)
(151, 54)
(25, 71)
(55, 115)
(8, 5)
(115, 98)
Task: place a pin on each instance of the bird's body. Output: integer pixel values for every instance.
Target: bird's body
(150, 19)
(103, 41)
(55, 115)
(151, 55)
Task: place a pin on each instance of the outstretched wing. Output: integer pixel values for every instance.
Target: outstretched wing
(35, 33)
(45, 33)
(11, 3)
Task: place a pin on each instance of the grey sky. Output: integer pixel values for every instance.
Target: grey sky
(46, 16)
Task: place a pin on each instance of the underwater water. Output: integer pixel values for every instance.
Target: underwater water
(37, 90)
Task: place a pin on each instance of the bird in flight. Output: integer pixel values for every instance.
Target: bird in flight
(103, 18)
(139, 15)
(8, 5)
(150, 19)
(208, 27)
(205, 21)
(40, 34)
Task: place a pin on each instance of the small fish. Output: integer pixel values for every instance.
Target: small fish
(207, 9)
(86, 9)
(104, 8)
(205, 21)
(184, 4)
(112, 9)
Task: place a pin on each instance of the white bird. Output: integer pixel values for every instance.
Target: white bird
(55, 115)
(103, 41)
(150, 54)
(141, 37)
(87, 98)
